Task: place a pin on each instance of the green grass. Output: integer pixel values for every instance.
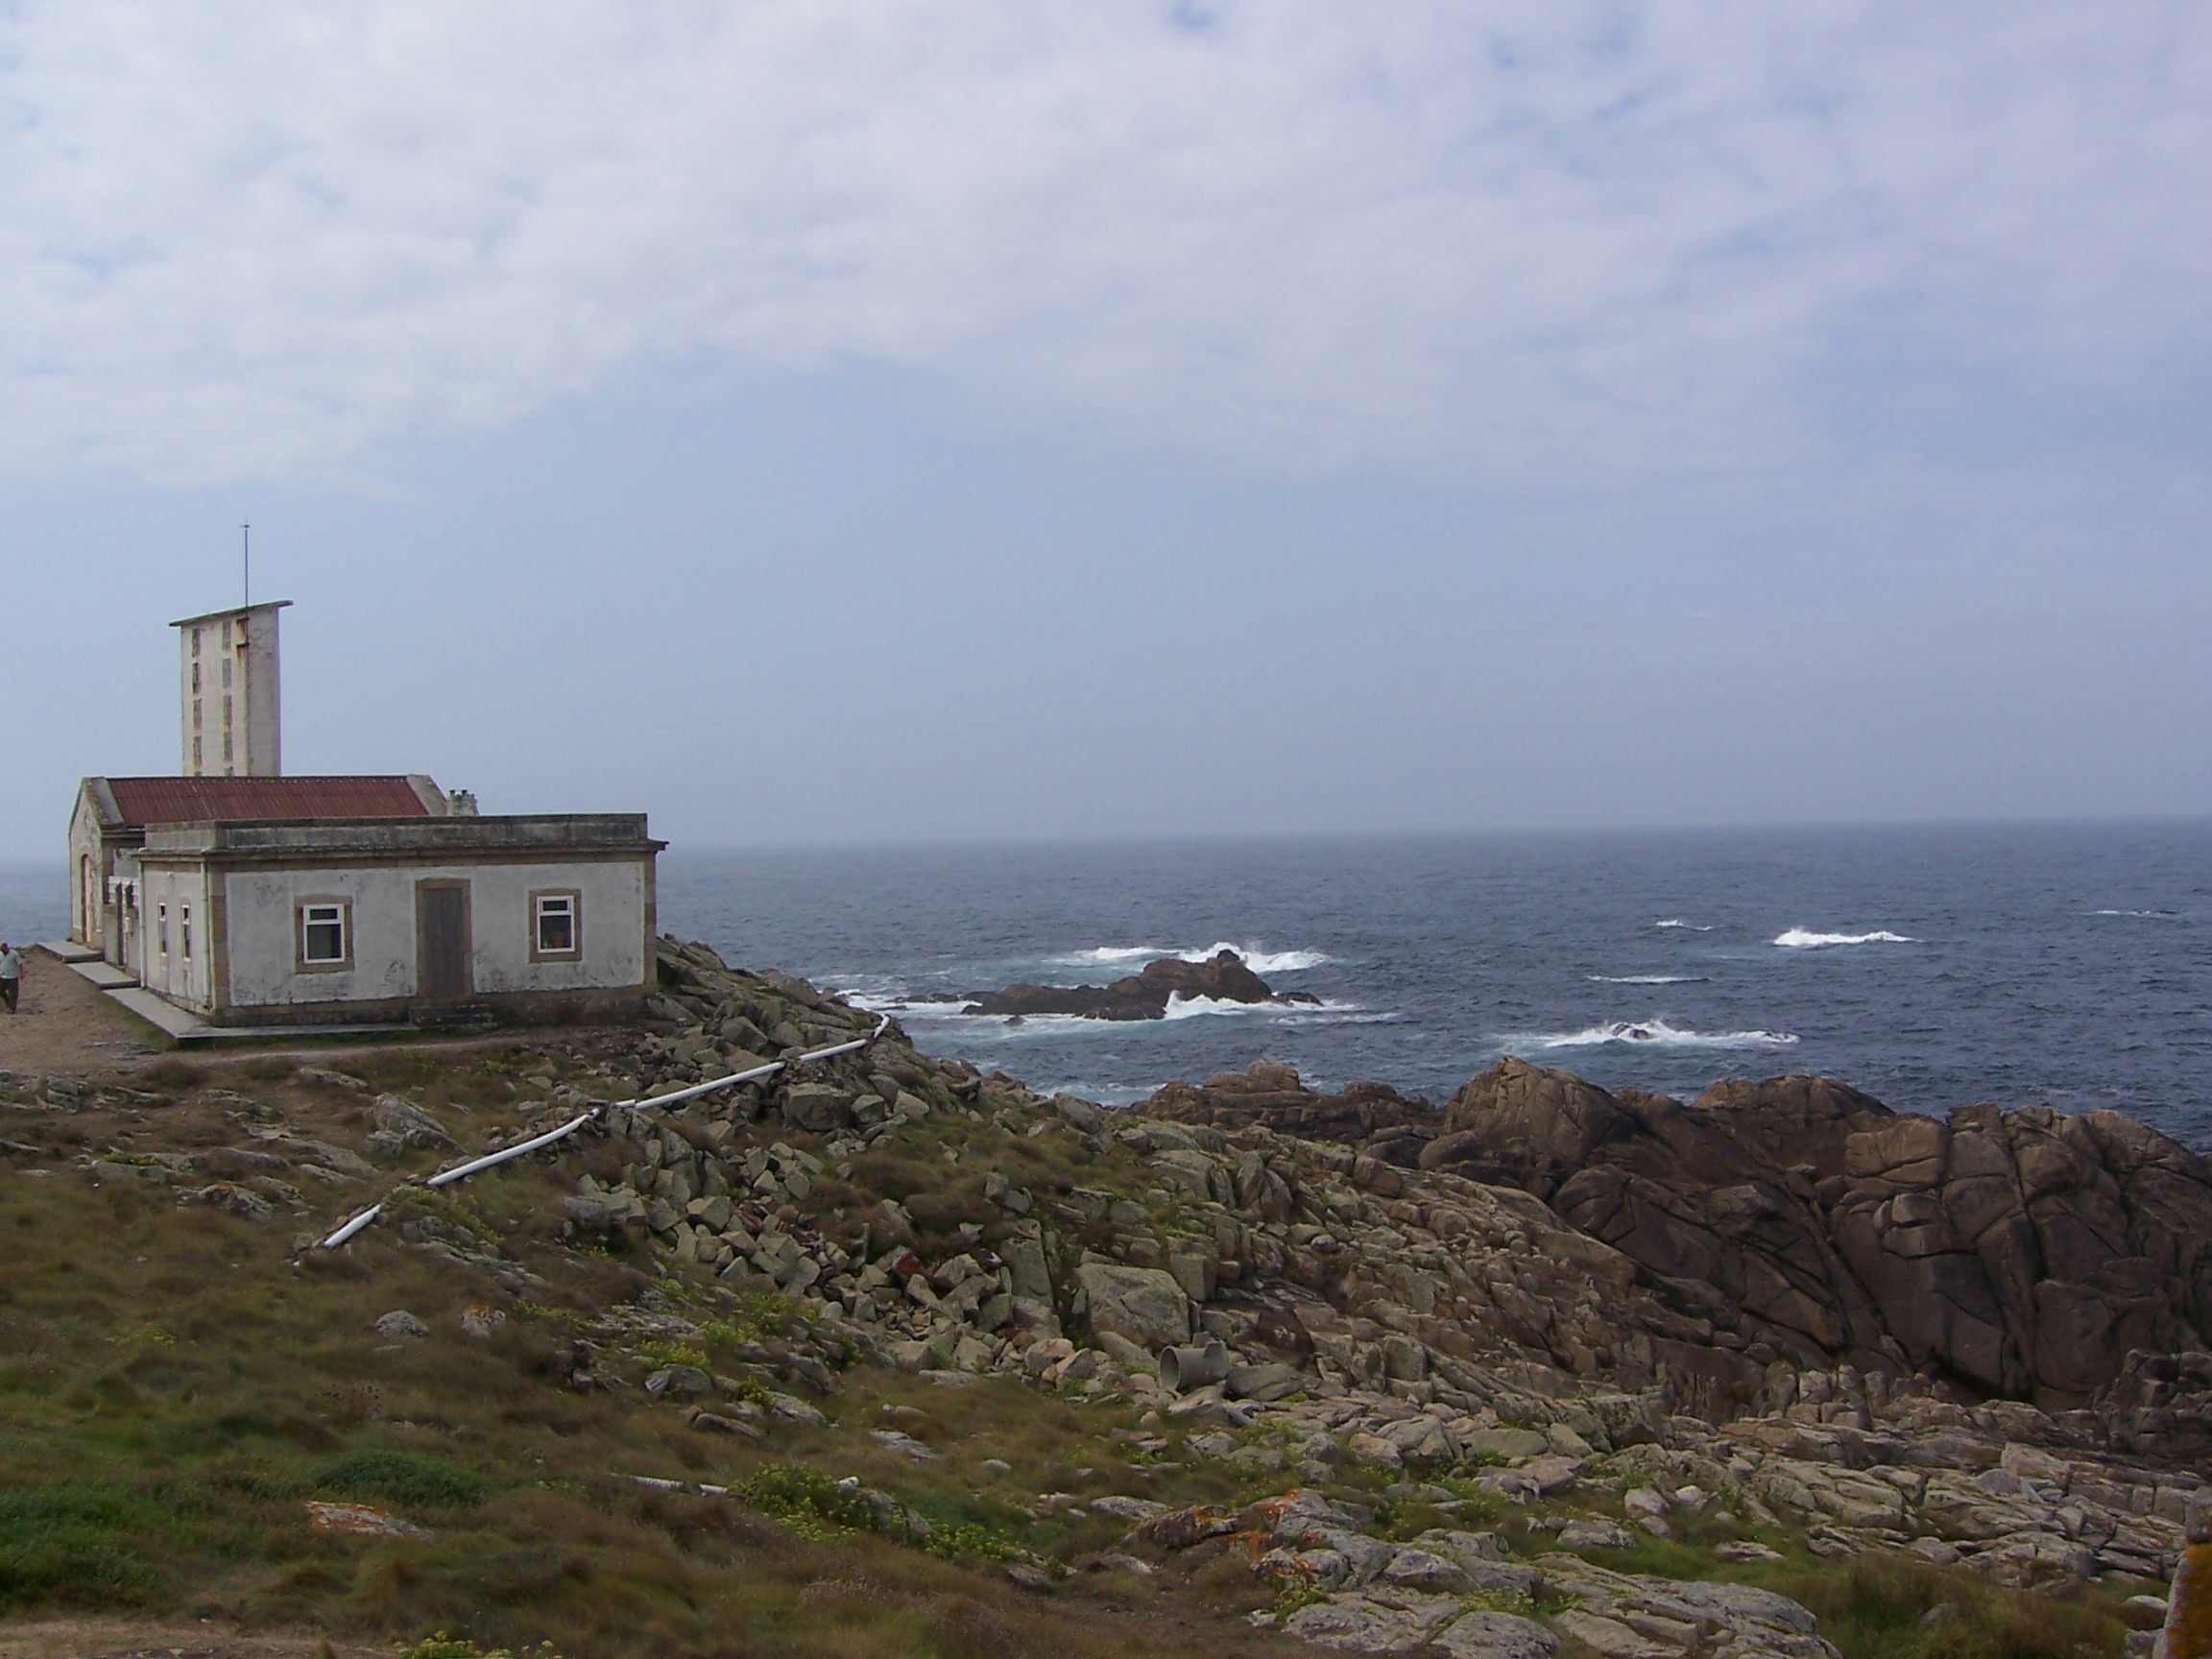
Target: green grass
(174, 1388)
(77, 1544)
(410, 1479)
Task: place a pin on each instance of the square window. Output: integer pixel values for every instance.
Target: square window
(553, 922)
(323, 935)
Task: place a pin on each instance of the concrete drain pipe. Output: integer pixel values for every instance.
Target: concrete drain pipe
(1192, 1367)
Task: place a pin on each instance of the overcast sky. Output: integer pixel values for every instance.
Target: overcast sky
(863, 420)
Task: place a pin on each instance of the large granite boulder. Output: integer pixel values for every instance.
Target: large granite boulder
(1372, 1116)
(1143, 1305)
(1525, 1126)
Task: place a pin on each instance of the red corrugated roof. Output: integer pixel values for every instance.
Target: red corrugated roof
(147, 801)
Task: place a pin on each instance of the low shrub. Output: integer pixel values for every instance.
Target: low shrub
(404, 1477)
(71, 1543)
(971, 1540)
(445, 1647)
(808, 1502)
(659, 1351)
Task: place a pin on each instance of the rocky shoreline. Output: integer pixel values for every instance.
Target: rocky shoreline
(1450, 1375)
(1980, 1340)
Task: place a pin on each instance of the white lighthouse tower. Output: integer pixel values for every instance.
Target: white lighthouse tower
(230, 719)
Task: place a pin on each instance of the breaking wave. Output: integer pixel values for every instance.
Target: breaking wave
(1646, 978)
(1802, 939)
(1257, 957)
(1345, 1013)
(1690, 927)
(1325, 1013)
(1116, 953)
(899, 1003)
(1658, 1033)
(2144, 915)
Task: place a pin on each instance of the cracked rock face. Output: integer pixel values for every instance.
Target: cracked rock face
(2025, 1254)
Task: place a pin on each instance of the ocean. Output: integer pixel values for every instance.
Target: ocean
(1929, 966)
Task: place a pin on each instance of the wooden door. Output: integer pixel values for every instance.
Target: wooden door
(442, 944)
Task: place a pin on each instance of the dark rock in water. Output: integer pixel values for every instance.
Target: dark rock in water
(1144, 996)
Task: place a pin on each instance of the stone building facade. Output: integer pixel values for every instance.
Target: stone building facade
(527, 917)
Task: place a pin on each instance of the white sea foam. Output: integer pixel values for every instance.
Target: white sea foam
(1646, 978)
(1260, 959)
(1116, 953)
(1803, 939)
(1198, 1007)
(1656, 1032)
(2143, 915)
(1328, 1013)
(1691, 927)
(899, 1003)
(1257, 957)
(1113, 1096)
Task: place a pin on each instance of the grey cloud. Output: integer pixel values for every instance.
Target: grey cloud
(1519, 239)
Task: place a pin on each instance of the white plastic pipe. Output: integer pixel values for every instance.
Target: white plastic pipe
(659, 1485)
(515, 1151)
(698, 1088)
(353, 1226)
(462, 1172)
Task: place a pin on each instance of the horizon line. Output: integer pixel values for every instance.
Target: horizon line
(677, 847)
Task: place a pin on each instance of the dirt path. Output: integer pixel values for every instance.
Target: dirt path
(127, 1639)
(68, 1027)
(65, 1024)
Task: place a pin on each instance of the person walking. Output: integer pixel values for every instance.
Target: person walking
(11, 974)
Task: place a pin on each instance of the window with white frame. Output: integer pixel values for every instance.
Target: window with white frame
(556, 925)
(326, 933)
(184, 928)
(161, 929)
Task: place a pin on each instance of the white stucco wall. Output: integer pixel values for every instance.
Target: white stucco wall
(84, 846)
(174, 976)
(259, 910)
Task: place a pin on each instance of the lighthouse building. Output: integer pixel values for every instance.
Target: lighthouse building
(241, 897)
